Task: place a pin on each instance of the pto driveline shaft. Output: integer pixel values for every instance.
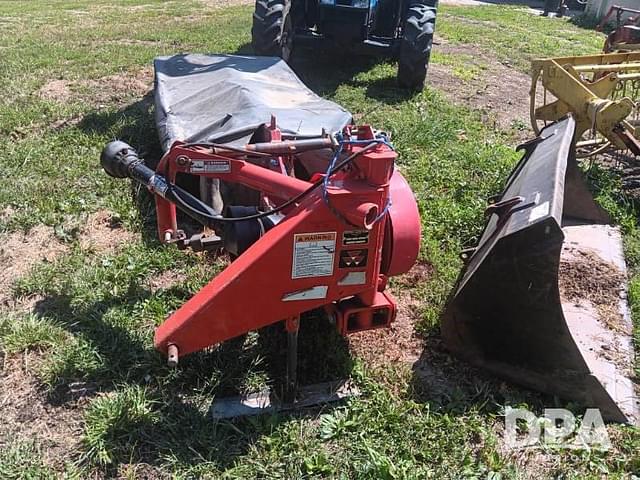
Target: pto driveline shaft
(120, 160)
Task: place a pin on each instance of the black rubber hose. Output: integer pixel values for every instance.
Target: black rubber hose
(120, 160)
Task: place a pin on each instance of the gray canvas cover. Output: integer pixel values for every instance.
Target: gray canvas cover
(224, 98)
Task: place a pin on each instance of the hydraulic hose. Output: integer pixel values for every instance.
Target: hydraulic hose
(120, 160)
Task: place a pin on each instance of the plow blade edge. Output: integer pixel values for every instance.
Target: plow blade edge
(542, 298)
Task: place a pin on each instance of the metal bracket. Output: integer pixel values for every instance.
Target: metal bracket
(467, 253)
(503, 208)
(530, 145)
(200, 242)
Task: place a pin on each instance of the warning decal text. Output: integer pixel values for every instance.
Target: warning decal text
(313, 254)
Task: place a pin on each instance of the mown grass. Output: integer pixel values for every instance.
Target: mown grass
(514, 35)
(463, 66)
(96, 311)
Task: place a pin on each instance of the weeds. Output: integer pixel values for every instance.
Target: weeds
(24, 460)
(25, 332)
(113, 423)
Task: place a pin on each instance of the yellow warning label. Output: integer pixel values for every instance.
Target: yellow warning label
(313, 254)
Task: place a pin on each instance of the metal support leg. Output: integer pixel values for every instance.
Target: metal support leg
(291, 385)
(292, 398)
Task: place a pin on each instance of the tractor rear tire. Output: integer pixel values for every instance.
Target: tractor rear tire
(415, 47)
(269, 36)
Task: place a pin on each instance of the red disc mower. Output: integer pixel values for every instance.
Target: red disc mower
(320, 221)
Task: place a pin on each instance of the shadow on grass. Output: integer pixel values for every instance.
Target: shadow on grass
(182, 435)
(188, 435)
(325, 70)
(133, 123)
(128, 357)
(325, 73)
(244, 49)
(123, 357)
(451, 386)
(586, 22)
(180, 428)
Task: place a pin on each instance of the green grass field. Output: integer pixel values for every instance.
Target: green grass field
(76, 328)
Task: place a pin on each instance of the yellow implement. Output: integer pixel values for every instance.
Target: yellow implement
(602, 92)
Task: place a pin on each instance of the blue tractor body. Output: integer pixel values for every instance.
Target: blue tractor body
(400, 29)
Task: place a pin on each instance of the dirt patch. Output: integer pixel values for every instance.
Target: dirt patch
(588, 277)
(134, 42)
(104, 233)
(116, 88)
(466, 3)
(585, 279)
(19, 252)
(141, 471)
(65, 122)
(6, 213)
(420, 272)
(438, 377)
(399, 343)
(111, 89)
(531, 463)
(166, 280)
(56, 90)
(28, 416)
(500, 92)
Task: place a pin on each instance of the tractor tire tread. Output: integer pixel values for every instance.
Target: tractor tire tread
(266, 31)
(415, 47)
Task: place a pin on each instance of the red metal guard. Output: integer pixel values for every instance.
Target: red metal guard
(324, 253)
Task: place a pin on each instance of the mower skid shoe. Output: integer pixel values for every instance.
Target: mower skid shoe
(266, 402)
(542, 298)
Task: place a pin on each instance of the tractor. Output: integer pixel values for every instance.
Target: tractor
(400, 29)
